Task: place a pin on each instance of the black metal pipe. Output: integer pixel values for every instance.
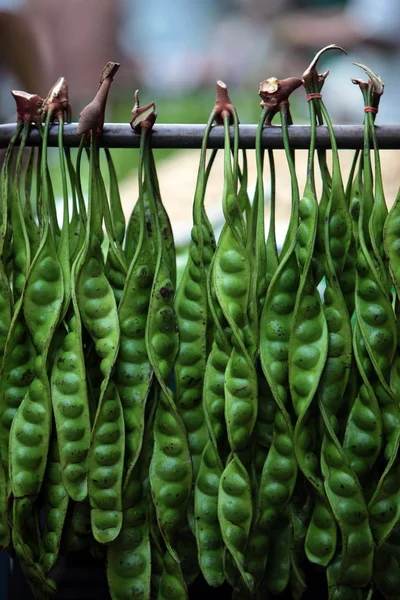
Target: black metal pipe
(120, 135)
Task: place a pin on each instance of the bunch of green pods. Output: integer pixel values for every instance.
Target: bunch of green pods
(237, 422)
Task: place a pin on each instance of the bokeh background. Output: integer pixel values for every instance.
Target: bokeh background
(175, 50)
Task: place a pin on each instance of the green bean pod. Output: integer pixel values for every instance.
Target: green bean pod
(129, 556)
(231, 278)
(309, 343)
(337, 590)
(383, 506)
(191, 305)
(172, 584)
(363, 434)
(133, 372)
(330, 394)
(106, 458)
(208, 532)
(16, 375)
(321, 537)
(235, 513)
(30, 436)
(25, 536)
(279, 472)
(170, 467)
(56, 505)
(214, 389)
(391, 236)
(348, 504)
(191, 311)
(278, 566)
(43, 297)
(375, 315)
(71, 409)
(98, 310)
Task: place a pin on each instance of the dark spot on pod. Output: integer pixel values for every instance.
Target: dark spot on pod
(236, 390)
(165, 292)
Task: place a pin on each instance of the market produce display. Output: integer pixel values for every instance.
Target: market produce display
(241, 424)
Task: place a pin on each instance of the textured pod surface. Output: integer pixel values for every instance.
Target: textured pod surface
(214, 390)
(348, 504)
(16, 375)
(374, 314)
(98, 308)
(71, 411)
(56, 509)
(170, 472)
(106, 459)
(25, 541)
(231, 278)
(363, 435)
(337, 590)
(321, 538)
(235, 513)
(133, 372)
(191, 312)
(43, 294)
(208, 532)
(115, 271)
(129, 556)
(172, 585)
(30, 436)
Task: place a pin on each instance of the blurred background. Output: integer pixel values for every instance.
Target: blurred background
(175, 50)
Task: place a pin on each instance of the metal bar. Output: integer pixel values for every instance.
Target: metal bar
(120, 135)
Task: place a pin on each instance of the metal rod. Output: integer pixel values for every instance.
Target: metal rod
(120, 135)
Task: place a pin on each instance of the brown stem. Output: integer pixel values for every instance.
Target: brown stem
(275, 93)
(312, 80)
(56, 101)
(223, 106)
(376, 83)
(93, 115)
(29, 106)
(143, 116)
